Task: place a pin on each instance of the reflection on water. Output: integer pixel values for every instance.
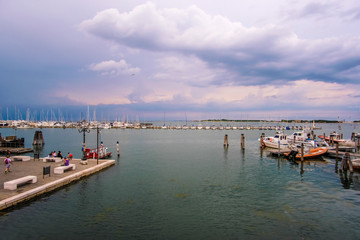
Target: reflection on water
(345, 180)
(173, 184)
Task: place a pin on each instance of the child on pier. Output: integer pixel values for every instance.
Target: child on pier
(7, 162)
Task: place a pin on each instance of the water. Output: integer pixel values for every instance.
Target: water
(183, 184)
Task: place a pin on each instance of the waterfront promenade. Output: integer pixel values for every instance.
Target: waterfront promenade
(9, 198)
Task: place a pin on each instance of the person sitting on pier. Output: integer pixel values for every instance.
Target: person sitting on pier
(66, 162)
(69, 156)
(59, 155)
(7, 162)
(51, 155)
(54, 153)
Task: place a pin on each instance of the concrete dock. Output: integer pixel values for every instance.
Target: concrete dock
(19, 169)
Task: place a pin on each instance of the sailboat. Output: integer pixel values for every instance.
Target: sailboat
(164, 126)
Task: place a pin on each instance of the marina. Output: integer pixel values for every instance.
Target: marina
(188, 184)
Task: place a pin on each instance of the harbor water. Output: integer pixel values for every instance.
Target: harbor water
(184, 184)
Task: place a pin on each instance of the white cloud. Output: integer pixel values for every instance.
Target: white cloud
(263, 54)
(114, 68)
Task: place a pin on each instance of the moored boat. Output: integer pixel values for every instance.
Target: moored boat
(356, 163)
(93, 153)
(311, 153)
(337, 138)
(280, 139)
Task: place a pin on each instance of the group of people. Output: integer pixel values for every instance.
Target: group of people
(7, 160)
(59, 155)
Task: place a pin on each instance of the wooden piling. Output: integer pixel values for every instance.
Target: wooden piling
(302, 152)
(242, 141)
(262, 140)
(117, 148)
(279, 148)
(337, 152)
(302, 159)
(226, 140)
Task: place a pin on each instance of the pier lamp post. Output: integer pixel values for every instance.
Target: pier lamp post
(84, 128)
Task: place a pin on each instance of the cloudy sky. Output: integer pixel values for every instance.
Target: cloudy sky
(259, 59)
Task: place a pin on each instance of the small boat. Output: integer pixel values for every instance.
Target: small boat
(93, 153)
(312, 153)
(280, 139)
(337, 138)
(356, 163)
(299, 136)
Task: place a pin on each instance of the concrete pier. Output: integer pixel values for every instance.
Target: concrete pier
(46, 184)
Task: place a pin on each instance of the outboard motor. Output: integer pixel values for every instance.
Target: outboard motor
(292, 155)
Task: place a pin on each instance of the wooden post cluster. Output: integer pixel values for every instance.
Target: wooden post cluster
(346, 163)
(38, 139)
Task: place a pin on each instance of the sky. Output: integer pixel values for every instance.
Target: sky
(259, 59)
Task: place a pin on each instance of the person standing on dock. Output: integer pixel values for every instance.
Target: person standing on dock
(7, 162)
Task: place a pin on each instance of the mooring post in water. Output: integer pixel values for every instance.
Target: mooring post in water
(346, 163)
(279, 148)
(242, 141)
(302, 159)
(226, 140)
(357, 144)
(117, 148)
(337, 154)
(262, 140)
(38, 139)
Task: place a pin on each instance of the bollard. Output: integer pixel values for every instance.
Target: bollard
(226, 140)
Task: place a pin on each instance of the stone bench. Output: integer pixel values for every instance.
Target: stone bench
(52, 159)
(21, 158)
(13, 184)
(62, 169)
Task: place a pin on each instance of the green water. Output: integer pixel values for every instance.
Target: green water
(183, 184)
